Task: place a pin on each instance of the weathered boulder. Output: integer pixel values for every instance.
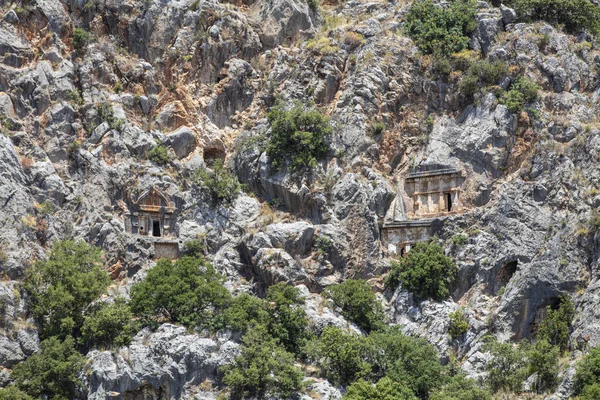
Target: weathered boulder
(296, 238)
(182, 141)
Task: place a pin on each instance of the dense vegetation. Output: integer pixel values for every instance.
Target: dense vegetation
(425, 271)
(441, 30)
(575, 15)
(298, 137)
(357, 303)
(221, 184)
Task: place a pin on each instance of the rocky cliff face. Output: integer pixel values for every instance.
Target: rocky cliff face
(199, 77)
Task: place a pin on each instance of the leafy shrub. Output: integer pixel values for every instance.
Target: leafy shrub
(342, 357)
(188, 292)
(61, 288)
(313, 4)
(246, 311)
(508, 367)
(13, 393)
(378, 128)
(522, 91)
(353, 39)
(222, 184)
(542, 360)
(459, 387)
(323, 244)
(109, 324)
(52, 372)
(482, 73)
(159, 155)
(298, 136)
(194, 248)
(458, 324)
(588, 372)
(322, 45)
(556, 327)
(263, 368)
(425, 271)
(358, 303)
(575, 15)
(288, 323)
(438, 29)
(385, 389)
(590, 392)
(80, 38)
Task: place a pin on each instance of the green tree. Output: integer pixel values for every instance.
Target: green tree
(80, 38)
(288, 323)
(590, 392)
(459, 324)
(13, 393)
(188, 292)
(508, 367)
(459, 387)
(556, 327)
(159, 155)
(409, 360)
(298, 136)
(52, 372)
(358, 303)
(542, 360)
(244, 311)
(523, 91)
(575, 15)
(62, 287)
(385, 389)
(221, 184)
(588, 371)
(342, 357)
(425, 271)
(263, 368)
(109, 324)
(441, 30)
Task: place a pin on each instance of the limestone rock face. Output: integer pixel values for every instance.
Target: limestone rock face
(167, 361)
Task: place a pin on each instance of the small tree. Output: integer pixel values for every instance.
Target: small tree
(109, 324)
(13, 393)
(588, 372)
(385, 389)
(53, 372)
(288, 323)
(556, 327)
(458, 324)
(220, 182)
(263, 368)
(508, 367)
(425, 271)
(543, 361)
(298, 136)
(189, 292)
(459, 387)
(80, 38)
(159, 155)
(358, 303)
(62, 287)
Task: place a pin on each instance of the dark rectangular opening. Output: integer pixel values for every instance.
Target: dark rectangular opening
(155, 228)
(449, 201)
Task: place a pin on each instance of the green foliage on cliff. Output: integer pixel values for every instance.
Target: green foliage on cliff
(159, 155)
(556, 327)
(52, 372)
(384, 389)
(13, 393)
(458, 324)
(523, 91)
(188, 292)
(358, 303)
(221, 184)
(61, 288)
(108, 324)
(587, 377)
(441, 30)
(575, 15)
(298, 136)
(425, 271)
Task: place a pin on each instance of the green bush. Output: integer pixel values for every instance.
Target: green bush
(522, 91)
(459, 387)
(441, 30)
(159, 155)
(508, 367)
(590, 392)
(342, 357)
(425, 271)
(385, 389)
(188, 292)
(53, 371)
(194, 248)
(542, 360)
(575, 15)
(288, 323)
(62, 287)
(109, 324)
(458, 324)
(358, 303)
(13, 393)
(245, 311)
(298, 136)
(588, 372)
(482, 73)
(80, 38)
(220, 183)
(263, 368)
(556, 327)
